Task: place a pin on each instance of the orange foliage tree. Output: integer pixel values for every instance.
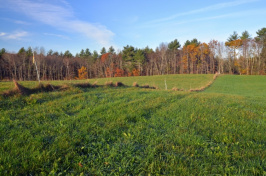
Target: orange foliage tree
(108, 73)
(233, 45)
(135, 72)
(119, 72)
(189, 57)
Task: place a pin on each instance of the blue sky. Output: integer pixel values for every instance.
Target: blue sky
(74, 24)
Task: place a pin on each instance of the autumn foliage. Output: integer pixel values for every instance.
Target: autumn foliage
(235, 43)
(119, 72)
(135, 72)
(82, 73)
(104, 57)
(108, 73)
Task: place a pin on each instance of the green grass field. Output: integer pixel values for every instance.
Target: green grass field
(134, 131)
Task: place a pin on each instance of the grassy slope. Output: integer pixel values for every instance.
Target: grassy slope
(135, 131)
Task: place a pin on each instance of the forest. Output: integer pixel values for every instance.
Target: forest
(240, 54)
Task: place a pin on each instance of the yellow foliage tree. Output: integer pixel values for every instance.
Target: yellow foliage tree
(82, 74)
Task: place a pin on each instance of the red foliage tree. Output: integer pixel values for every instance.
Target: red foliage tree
(104, 57)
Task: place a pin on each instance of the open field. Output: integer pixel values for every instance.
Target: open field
(134, 131)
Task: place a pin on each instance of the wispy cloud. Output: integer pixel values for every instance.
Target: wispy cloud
(60, 15)
(2, 34)
(17, 35)
(227, 15)
(205, 9)
(16, 21)
(21, 22)
(57, 35)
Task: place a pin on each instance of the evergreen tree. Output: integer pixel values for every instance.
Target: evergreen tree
(111, 50)
(22, 50)
(82, 53)
(29, 52)
(103, 51)
(95, 55)
(233, 37)
(87, 52)
(50, 52)
(174, 45)
(245, 35)
(2, 51)
(128, 57)
(68, 54)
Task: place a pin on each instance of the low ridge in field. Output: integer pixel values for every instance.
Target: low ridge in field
(185, 82)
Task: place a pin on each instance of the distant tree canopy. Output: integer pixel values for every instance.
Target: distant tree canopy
(238, 55)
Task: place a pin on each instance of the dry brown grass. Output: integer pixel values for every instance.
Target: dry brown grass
(109, 84)
(64, 87)
(135, 84)
(175, 89)
(155, 87)
(206, 86)
(95, 84)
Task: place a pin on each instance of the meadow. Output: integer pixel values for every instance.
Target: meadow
(136, 131)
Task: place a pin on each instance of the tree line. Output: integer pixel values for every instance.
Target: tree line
(240, 54)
